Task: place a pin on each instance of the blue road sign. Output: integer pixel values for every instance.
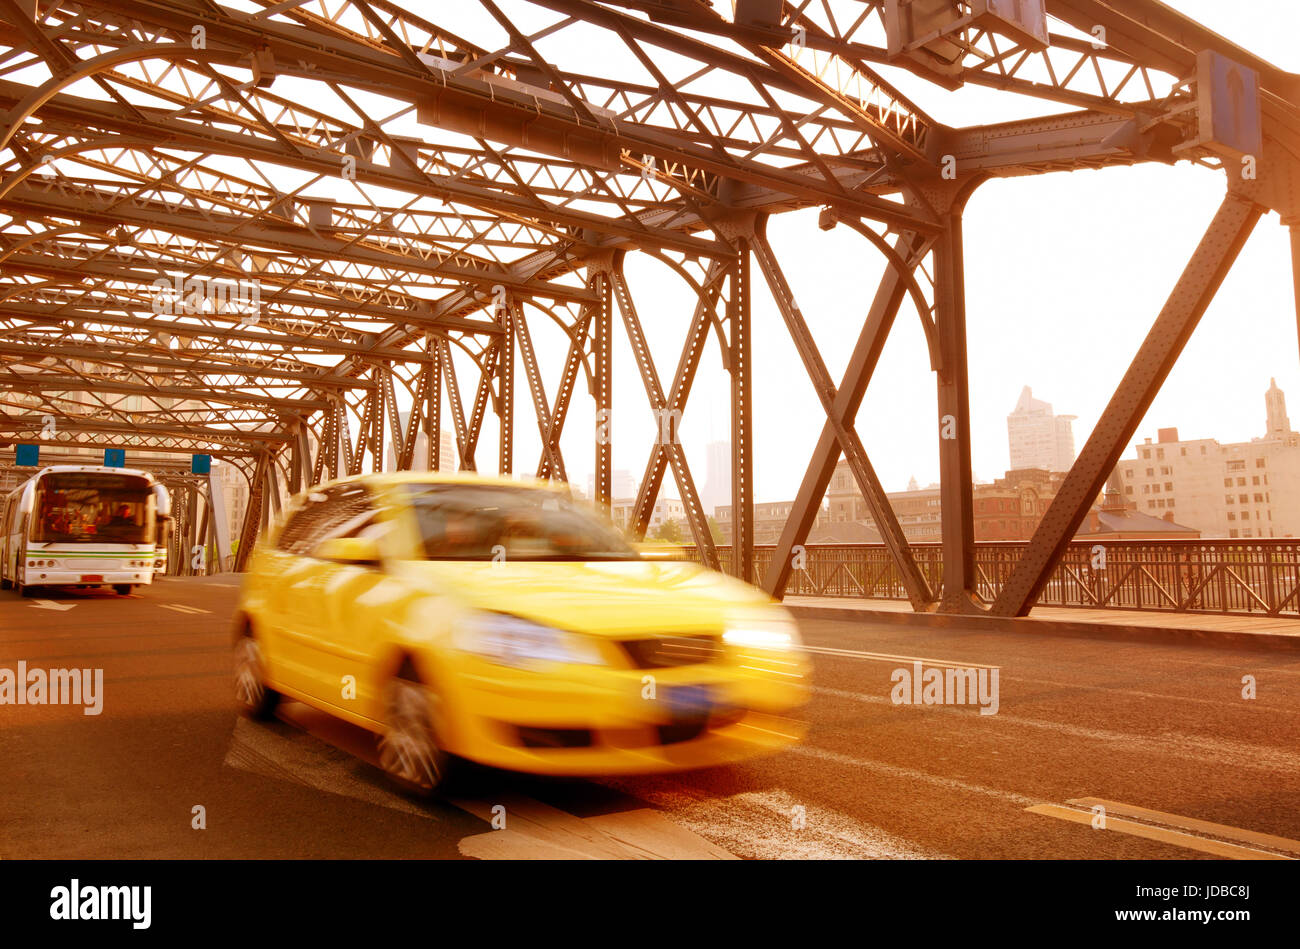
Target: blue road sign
(114, 457)
(200, 464)
(28, 456)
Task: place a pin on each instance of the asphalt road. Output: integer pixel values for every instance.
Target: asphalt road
(1160, 737)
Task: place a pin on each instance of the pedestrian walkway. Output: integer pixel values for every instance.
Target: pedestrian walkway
(1267, 632)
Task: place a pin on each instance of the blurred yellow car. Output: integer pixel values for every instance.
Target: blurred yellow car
(459, 616)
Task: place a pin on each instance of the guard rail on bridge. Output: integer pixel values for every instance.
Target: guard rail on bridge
(1260, 577)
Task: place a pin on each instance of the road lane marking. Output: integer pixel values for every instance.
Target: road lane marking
(912, 774)
(1169, 744)
(887, 657)
(1238, 834)
(182, 609)
(1135, 693)
(1164, 835)
(762, 824)
(51, 605)
(534, 830)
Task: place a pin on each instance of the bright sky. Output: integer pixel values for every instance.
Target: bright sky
(1064, 275)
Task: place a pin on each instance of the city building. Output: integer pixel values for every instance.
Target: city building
(665, 509)
(1239, 490)
(1006, 509)
(717, 476)
(1037, 438)
(917, 509)
(769, 520)
(447, 456)
(1011, 507)
(1117, 518)
(621, 484)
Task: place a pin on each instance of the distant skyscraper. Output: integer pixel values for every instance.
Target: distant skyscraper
(1275, 402)
(447, 457)
(1037, 438)
(621, 485)
(717, 477)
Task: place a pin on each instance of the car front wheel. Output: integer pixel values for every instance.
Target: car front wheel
(254, 698)
(408, 747)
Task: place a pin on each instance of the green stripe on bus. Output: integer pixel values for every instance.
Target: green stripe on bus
(135, 554)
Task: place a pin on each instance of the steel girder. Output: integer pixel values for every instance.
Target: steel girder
(379, 215)
(1191, 296)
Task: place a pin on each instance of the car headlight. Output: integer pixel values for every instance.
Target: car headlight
(515, 641)
(762, 631)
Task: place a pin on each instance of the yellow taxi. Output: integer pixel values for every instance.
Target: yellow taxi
(500, 621)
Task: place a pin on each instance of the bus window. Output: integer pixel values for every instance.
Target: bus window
(75, 507)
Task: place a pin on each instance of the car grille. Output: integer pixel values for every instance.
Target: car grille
(666, 651)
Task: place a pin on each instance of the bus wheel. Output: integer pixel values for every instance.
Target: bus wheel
(25, 590)
(122, 589)
(5, 584)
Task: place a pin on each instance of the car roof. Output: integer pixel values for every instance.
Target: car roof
(385, 479)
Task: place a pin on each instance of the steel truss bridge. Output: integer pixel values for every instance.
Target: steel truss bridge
(506, 181)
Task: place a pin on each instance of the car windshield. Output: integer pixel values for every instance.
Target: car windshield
(90, 507)
(499, 522)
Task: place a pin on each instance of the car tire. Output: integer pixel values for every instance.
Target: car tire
(122, 589)
(409, 750)
(255, 699)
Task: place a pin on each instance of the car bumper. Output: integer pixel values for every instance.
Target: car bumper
(606, 722)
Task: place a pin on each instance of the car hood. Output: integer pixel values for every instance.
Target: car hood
(596, 597)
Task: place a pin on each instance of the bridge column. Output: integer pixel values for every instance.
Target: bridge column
(505, 386)
(742, 447)
(955, 489)
(252, 513)
(191, 530)
(432, 420)
(602, 389)
(300, 462)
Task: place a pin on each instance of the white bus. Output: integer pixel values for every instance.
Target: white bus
(79, 526)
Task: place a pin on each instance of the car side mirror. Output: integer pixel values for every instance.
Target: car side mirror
(355, 550)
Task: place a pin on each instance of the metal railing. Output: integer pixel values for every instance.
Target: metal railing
(1260, 577)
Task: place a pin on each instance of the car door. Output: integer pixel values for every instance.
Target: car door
(319, 596)
(278, 571)
(359, 602)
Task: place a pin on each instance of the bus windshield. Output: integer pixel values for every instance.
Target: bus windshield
(91, 507)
